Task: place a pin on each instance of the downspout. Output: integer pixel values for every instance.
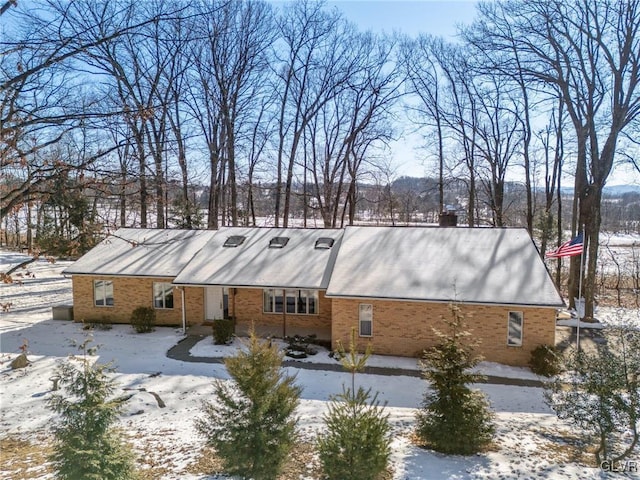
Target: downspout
(284, 313)
(184, 312)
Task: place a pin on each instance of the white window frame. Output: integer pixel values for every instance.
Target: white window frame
(365, 314)
(100, 293)
(163, 286)
(516, 319)
(269, 301)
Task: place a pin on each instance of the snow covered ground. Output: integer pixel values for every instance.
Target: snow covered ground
(530, 442)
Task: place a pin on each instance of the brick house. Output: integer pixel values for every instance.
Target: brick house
(390, 284)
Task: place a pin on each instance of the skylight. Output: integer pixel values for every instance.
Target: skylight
(234, 241)
(324, 243)
(278, 242)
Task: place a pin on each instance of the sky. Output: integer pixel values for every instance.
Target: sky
(411, 17)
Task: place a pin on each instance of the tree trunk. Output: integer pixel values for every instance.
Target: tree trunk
(212, 219)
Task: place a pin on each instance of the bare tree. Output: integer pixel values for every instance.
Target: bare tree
(40, 67)
(314, 65)
(427, 85)
(590, 53)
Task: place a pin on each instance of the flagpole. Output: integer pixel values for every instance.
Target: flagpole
(580, 293)
(580, 300)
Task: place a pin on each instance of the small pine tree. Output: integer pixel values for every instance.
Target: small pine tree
(453, 418)
(87, 447)
(357, 442)
(251, 424)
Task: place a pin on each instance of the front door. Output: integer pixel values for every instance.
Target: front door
(214, 303)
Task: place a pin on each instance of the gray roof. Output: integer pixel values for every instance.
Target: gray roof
(253, 264)
(142, 253)
(474, 265)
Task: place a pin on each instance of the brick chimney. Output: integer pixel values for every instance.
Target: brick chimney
(449, 218)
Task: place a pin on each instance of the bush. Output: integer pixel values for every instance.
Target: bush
(356, 445)
(86, 445)
(599, 392)
(251, 422)
(143, 319)
(545, 361)
(102, 324)
(222, 331)
(298, 346)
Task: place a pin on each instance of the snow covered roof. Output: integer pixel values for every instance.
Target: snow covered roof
(473, 265)
(142, 252)
(265, 258)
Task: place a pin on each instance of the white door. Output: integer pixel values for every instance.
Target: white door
(214, 303)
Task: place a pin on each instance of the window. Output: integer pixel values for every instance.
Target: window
(514, 329)
(234, 241)
(365, 317)
(103, 293)
(273, 300)
(278, 242)
(162, 295)
(324, 243)
(298, 302)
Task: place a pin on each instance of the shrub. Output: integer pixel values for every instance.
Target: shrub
(599, 392)
(86, 445)
(545, 361)
(298, 346)
(223, 330)
(143, 319)
(453, 418)
(102, 324)
(251, 423)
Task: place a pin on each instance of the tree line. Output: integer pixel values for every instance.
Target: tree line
(141, 103)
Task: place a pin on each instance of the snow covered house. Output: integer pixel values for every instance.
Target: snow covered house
(392, 284)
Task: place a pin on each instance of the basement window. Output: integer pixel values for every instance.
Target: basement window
(234, 241)
(324, 243)
(278, 242)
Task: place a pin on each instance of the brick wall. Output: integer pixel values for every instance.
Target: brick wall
(405, 328)
(130, 293)
(246, 305)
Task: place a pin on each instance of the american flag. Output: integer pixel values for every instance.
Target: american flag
(568, 249)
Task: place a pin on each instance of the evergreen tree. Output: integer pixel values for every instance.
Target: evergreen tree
(251, 423)
(87, 447)
(356, 445)
(453, 418)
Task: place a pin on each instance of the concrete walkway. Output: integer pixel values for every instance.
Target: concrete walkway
(181, 350)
